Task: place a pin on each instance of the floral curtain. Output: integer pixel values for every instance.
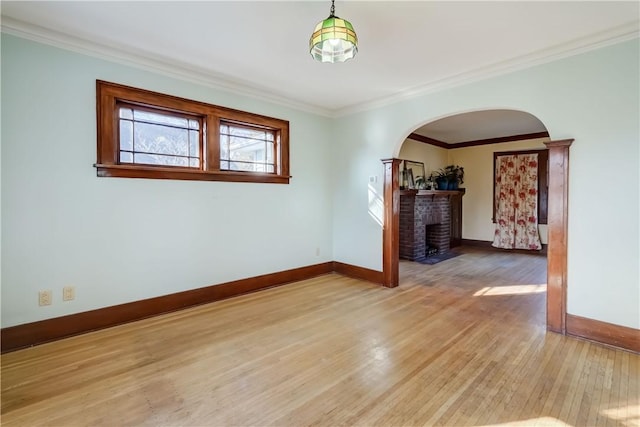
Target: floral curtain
(516, 202)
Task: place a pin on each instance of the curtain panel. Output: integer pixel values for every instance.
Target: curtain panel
(516, 199)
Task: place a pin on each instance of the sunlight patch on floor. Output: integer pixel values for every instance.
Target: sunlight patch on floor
(626, 415)
(542, 421)
(511, 290)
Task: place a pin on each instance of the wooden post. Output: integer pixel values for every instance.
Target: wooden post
(557, 232)
(391, 226)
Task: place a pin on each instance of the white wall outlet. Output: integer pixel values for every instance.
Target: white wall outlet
(68, 293)
(44, 298)
(318, 251)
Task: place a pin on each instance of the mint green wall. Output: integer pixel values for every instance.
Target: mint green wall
(592, 97)
(120, 240)
(63, 226)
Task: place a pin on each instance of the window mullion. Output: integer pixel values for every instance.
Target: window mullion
(201, 143)
(213, 143)
(276, 151)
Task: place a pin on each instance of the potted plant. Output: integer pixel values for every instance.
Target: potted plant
(455, 176)
(440, 178)
(449, 177)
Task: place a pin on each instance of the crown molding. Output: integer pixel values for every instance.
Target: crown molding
(206, 78)
(427, 140)
(599, 40)
(156, 64)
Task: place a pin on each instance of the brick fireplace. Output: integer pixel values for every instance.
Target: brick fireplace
(425, 222)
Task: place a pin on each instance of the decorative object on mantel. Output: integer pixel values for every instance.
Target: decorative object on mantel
(333, 40)
(449, 177)
(412, 175)
(440, 179)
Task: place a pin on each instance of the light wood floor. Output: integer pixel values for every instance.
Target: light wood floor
(462, 342)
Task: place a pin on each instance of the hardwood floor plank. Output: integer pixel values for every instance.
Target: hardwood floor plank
(462, 342)
(633, 407)
(560, 387)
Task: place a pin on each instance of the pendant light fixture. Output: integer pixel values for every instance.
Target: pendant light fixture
(333, 40)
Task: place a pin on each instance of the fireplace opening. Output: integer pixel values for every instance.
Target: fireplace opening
(431, 251)
(436, 239)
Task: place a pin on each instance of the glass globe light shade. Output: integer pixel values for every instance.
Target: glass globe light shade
(333, 40)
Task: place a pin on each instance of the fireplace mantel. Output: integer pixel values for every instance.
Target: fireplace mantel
(411, 193)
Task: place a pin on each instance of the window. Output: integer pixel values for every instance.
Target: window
(153, 138)
(144, 134)
(246, 148)
(543, 180)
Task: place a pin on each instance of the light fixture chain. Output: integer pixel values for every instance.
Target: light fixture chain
(333, 8)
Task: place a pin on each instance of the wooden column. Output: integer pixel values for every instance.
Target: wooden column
(391, 226)
(557, 232)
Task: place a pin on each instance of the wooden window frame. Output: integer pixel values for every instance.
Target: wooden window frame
(543, 181)
(108, 145)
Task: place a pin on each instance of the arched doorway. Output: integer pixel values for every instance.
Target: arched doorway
(557, 227)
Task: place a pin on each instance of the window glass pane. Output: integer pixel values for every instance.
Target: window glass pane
(246, 132)
(245, 156)
(126, 135)
(126, 113)
(157, 159)
(270, 148)
(239, 166)
(165, 119)
(161, 139)
(193, 124)
(250, 167)
(194, 143)
(240, 143)
(126, 157)
(224, 152)
(194, 163)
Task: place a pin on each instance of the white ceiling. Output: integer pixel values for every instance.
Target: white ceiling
(480, 125)
(261, 48)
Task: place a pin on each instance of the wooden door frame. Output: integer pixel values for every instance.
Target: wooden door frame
(557, 230)
(391, 224)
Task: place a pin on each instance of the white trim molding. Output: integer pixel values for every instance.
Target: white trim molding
(203, 77)
(147, 62)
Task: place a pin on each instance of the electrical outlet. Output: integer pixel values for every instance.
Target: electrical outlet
(318, 251)
(68, 293)
(44, 298)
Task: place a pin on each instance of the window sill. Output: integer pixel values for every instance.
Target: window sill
(153, 172)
